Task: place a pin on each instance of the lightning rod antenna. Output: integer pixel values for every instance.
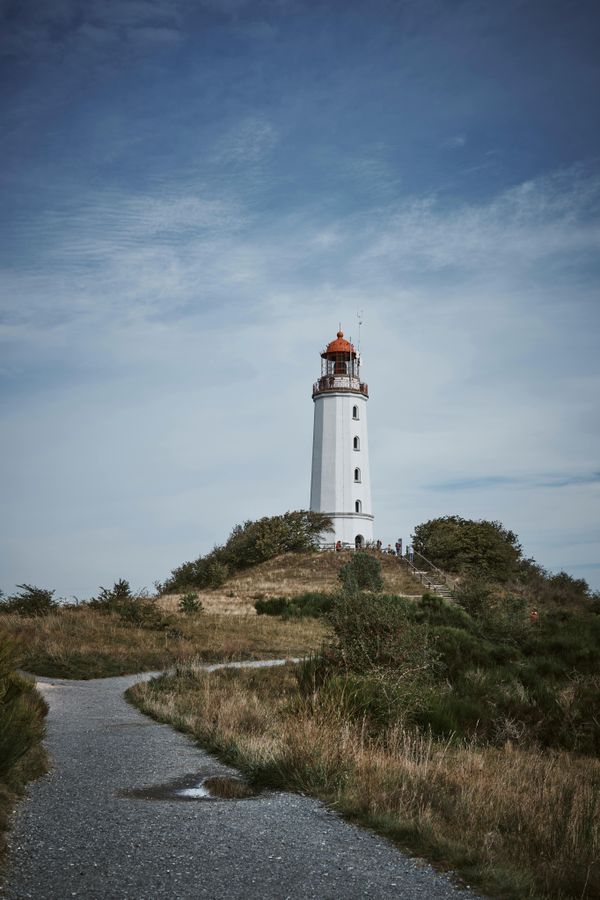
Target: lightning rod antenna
(359, 316)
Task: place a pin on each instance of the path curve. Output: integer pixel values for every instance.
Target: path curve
(76, 835)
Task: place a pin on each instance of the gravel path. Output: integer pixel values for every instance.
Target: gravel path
(78, 835)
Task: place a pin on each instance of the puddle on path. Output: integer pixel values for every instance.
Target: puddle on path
(195, 787)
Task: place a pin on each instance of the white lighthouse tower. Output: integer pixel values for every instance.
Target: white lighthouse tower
(340, 483)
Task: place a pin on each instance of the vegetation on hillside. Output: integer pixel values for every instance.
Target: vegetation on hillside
(489, 676)
(476, 667)
(248, 545)
(487, 557)
(22, 712)
(289, 575)
(466, 728)
(82, 642)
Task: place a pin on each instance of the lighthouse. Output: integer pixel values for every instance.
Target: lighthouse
(340, 482)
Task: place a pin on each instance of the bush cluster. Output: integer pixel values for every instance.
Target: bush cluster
(481, 671)
(137, 610)
(30, 601)
(465, 545)
(362, 573)
(484, 553)
(311, 604)
(190, 605)
(248, 545)
(22, 711)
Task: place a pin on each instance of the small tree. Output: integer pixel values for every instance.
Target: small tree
(132, 609)
(31, 601)
(111, 599)
(216, 573)
(190, 605)
(362, 573)
(466, 545)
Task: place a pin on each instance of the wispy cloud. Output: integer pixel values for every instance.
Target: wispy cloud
(455, 142)
(248, 141)
(555, 215)
(526, 481)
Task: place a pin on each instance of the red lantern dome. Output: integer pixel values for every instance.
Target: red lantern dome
(340, 345)
(340, 369)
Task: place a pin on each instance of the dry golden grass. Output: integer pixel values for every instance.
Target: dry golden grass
(516, 822)
(289, 575)
(84, 643)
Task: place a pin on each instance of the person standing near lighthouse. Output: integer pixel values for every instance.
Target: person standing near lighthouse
(340, 481)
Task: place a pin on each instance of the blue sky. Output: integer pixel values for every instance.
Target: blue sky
(194, 194)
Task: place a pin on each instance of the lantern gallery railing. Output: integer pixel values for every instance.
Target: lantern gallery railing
(339, 383)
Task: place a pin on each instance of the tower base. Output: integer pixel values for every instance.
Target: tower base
(354, 530)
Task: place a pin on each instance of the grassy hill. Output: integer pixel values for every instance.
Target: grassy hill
(289, 575)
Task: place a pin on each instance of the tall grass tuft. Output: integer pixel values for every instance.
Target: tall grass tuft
(22, 712)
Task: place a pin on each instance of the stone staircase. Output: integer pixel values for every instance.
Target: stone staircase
(432, 578)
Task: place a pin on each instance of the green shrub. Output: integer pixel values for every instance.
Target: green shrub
(111, 599)
(545, 589)
(459, 650)
(432, 609)
(467, 545)
(548, 667)
(380, 631)
(362, 573)
(22, 709)
(375, 699)
(217, 573)
(142, 612)
(450, 714)
(312, 604)
(274, 606)
(30, 601)
(190, 605)
(137, 610)
(475, 596)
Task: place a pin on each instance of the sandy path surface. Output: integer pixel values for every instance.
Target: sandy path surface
(78, 833)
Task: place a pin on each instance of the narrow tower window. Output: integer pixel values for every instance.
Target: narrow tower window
(357, 474)
(356, 443)
(357, 506)
(355, 412)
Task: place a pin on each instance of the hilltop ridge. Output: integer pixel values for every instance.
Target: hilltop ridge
(288, 575)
